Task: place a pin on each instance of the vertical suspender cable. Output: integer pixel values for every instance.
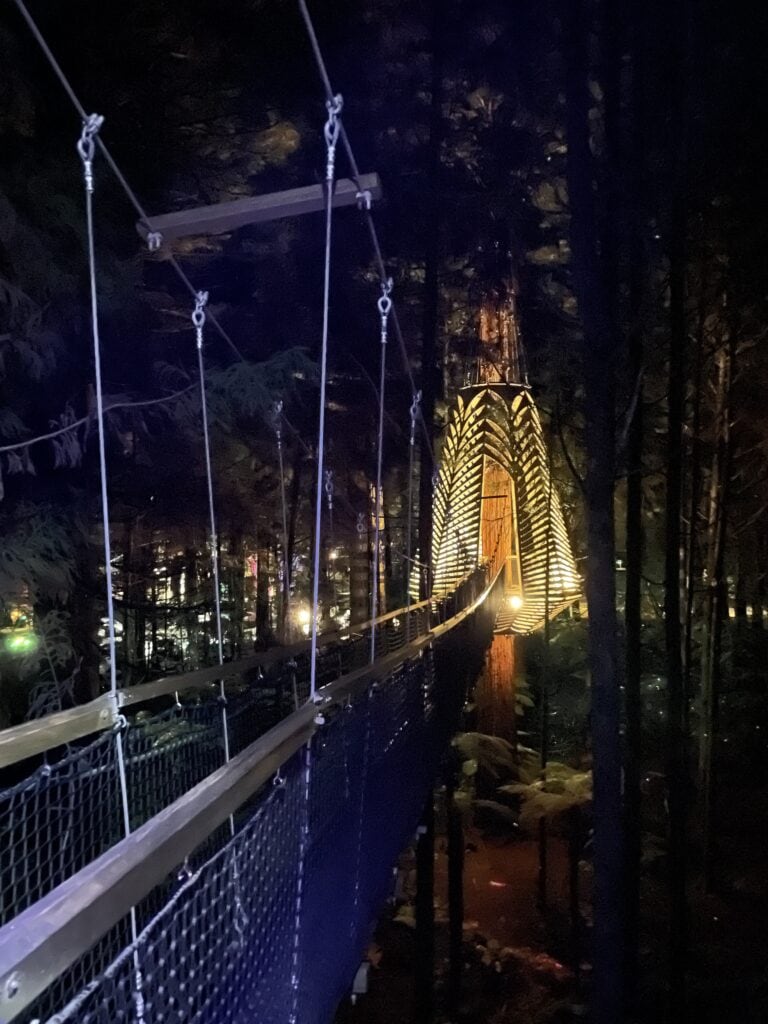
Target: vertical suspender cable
(198, 320)
(366, 208)
(331, 132)
(86, 148)
(385, 306)
(332, 127)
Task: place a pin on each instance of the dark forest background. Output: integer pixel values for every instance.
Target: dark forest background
(609, 159)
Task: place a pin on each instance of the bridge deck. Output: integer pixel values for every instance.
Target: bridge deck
(243, 932)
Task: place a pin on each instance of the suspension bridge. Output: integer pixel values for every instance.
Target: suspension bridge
(217, 846)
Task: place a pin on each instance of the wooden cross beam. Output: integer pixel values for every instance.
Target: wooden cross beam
(237, 213)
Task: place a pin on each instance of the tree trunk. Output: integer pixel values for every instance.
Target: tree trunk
(633, 751)
(237, 591)
(677, 768)
(262, 598)
(425, 916)
(455, 892)
(294, 503)
(84, 622)
(430, 373)
(714, 607)
(691, 561)
(598, 371)
(677, 738)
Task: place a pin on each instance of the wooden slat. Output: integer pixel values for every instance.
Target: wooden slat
(237, 213)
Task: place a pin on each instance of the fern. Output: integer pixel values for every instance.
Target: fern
(552, 798)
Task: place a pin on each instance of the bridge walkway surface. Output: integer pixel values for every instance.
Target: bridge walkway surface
(251, 884)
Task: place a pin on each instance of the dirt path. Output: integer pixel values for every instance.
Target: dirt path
(500, 884)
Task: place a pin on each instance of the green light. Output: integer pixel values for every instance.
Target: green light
(21, 643)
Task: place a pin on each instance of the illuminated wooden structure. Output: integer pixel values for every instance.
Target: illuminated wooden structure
(494, 498)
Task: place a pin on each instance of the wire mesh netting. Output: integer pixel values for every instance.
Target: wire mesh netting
(55, 821)
(197, 959)
(66, 812)
(272, 923)
(273, 926)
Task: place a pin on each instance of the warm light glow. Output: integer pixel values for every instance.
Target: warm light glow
(304, 616)
(515, 602)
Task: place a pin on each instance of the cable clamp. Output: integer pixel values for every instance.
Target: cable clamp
(322, 703)
(364, 199)
(329, 488)
(154, 240)
(86, 146)
(184, 873)
(277, 419)
(198, 314)
(385, 307)
(331, 132)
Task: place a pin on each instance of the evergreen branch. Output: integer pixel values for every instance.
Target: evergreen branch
(20, 445)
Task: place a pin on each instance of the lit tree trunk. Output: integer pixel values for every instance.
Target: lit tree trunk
(237, 575)
(262, 596)
(294, 502)
(598, 371)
